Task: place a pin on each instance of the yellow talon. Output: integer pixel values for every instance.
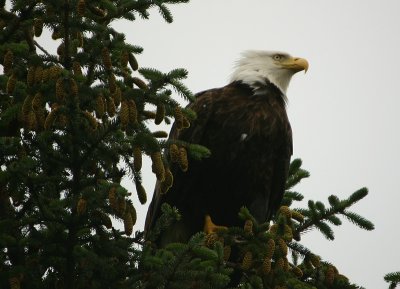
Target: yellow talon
(210, 227)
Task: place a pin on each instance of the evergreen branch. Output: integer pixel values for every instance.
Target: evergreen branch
(94, 145)
(289, 197)
(358, 220)
(165, 13)
(178, 74)
(198, 152)
(182, 90)
(16, 21)
(294, 166)
(295, 178)
(151, 73)
(178, 260)
(299, 248)
(392, 278)
(325, 230)
(317, 213)
(42, 49)
(334, 220)
(357, 195)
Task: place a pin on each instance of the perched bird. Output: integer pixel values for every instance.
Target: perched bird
(245, 126)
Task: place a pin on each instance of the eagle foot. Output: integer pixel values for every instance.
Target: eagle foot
(210, 227)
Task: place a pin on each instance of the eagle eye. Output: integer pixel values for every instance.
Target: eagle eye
(278, 57)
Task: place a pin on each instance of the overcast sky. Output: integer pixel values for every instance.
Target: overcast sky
(344, 111)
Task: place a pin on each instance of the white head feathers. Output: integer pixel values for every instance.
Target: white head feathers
(257, 68)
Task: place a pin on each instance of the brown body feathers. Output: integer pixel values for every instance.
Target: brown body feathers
(250, 140)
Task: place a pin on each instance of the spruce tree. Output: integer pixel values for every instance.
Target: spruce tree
(75, 122)
(72, 124)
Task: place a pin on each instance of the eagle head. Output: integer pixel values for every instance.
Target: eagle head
(257, 68)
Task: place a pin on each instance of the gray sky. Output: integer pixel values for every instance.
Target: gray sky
(343, 111)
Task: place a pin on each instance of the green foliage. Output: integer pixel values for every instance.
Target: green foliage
(257, 255)
(69, 126)
(393, 279)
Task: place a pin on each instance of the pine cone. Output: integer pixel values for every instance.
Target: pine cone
(279, 264)
(315, 260)
(141, 192)
(283, 246)
(288, 233)
(30, 76)
(132, 111)
(247, 261)
(266, 266)
(270, 248)
(140, 83)
(112, 82)
(55, 71)
(8, 61)
(112, 198)
(15, 283)
(38, 74)
(100, 106)
(160, 114)
(168, 181)
(178, 118)
(133, 62)
(284, 210)
(210, 240)
(74, 87)
(105, 54)
(297, 271)
(174, 153)
(137, 158)
(51, 117)
(79, 36)
(46, 75)
(248, 227)
(297, 216)
(61, 49)
(37, 101)
(121, 206)
(329, 275)
(132, 211)
(30, 121)
(91, 119)
(40, 117)
(38, 26)
(128, 223)
(76, 67)
(227, 252)
(27, 106)
(160, 134)
(81, 207)
(12, 80)
(117, 96)
(183, 160)
(124, 113)
(60, 88)
(124, 58)
(158, 166)
(81, 7)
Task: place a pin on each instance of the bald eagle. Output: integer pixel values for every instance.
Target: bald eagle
(245, 126)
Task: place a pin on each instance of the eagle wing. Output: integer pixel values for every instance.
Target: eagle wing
(203, 108)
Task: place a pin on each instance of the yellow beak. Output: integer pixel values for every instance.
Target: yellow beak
(296, 64)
